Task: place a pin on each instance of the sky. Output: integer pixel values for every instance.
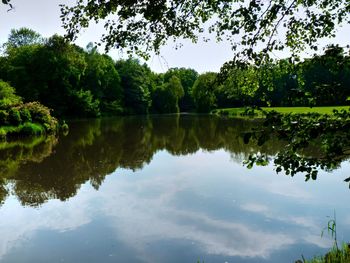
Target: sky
(43, 16)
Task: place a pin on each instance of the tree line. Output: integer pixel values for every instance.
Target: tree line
(77, 82)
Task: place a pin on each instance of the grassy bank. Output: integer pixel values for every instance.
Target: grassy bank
(237, 112)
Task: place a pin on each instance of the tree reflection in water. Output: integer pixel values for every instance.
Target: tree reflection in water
(50, 168)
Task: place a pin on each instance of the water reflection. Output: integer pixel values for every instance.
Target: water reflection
(96, 148)
(175, 192)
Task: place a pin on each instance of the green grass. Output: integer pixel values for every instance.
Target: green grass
(323, 110)
(333, 256)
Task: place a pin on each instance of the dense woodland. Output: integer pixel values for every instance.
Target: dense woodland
(77, 82)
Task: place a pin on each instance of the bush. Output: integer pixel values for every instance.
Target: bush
(31, 129)
(224, 113)
(4, 115)
(112, 108)
(8, 98)
(25, 115)
(84, 104)
(2, 134)
(41, 114)
(14, 117)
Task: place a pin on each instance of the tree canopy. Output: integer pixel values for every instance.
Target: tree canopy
(144, 26)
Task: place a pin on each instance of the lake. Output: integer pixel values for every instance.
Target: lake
(161, 189)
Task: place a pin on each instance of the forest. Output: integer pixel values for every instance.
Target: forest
(77, 82)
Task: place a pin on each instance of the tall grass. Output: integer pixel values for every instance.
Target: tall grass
(335, 255)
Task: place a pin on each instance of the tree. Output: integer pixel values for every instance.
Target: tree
(135, 79)
(326, 77)
(187, 77)
(23, 37)
(46, 72)
(60, 66)
(8, 98)
(203, 92)
(102, 79)
(165, 98)
(143, 26)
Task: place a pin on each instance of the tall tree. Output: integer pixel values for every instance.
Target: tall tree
(135, 79)
(203, 92)
(187, 77)
(165, 98)
(103, 80)
(23, 37)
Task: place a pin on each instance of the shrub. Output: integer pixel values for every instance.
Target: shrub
(14, 117)
(41, 114)
(112, 108)
(224, 113)
(4, 115)
(25, 115)
(84, 104)
(2, 134)
(8, 98)
(31, 129)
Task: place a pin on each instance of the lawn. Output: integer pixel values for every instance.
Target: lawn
(322, 110)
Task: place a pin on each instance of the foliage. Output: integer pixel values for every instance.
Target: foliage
(187, 77)
(237, 112)
(31, 129)
(22, 37)
(25, 114)
(14, 117)
(8, 98)
(337, 255)
(326, 77)
(83, 104)
(74, 82)
(40, 114)
(136, 84)
(301, 131)
(17, 117)
(103, 80)
(322, 80)
(333, 256)
(271, 23)
(169, 95)
(203, 92)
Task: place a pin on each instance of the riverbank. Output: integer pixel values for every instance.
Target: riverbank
(240, 112)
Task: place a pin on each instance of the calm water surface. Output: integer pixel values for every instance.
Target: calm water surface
(160, 189)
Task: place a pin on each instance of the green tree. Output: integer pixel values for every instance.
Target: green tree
(242, 85)
(187, 77)
(203, 92)
(8, 98)
(136, 83)
(326, 77)
(165, 98)
(22, 37)
(83, 104)
(102, 79)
